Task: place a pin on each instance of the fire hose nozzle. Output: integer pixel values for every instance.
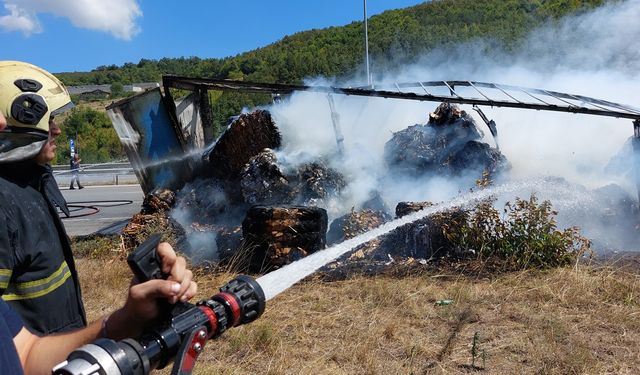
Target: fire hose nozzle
(240, 301)
(249, 295)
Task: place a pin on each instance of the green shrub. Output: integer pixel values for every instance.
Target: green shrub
(524, 236)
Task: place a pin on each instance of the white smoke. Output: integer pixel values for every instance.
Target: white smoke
(116, 17)
(594, 54)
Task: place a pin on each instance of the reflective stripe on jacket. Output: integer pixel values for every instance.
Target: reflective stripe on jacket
(37, 273)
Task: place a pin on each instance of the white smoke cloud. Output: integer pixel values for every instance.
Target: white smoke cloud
(594, 54)
(116, 17)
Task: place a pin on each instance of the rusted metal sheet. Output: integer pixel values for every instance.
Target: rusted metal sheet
(151, 139)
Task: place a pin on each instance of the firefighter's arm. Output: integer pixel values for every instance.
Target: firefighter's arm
(39, 354)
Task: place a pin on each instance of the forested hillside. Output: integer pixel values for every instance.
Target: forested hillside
(396, 37)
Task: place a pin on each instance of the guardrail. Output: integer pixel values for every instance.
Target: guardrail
(93, 174)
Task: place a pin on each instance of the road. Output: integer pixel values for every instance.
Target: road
(115, 203)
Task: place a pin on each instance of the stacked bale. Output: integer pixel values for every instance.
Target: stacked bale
(281, 235)
(450, 144)
(353, 224)
(246, 137)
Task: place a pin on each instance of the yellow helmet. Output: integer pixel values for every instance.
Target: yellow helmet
(29, 97)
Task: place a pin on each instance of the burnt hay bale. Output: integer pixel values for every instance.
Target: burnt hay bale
(246, 137)
(354, 223)
(158, 200)
(424, 238)
(478, 157)
(448, 145)
(405, 208)
(280, 235)
(316, 181)
(263, 183)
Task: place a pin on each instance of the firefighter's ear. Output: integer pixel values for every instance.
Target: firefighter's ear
(3, 121)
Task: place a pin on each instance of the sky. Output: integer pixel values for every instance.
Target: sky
(80, 35)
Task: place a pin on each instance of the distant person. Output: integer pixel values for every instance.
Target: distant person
(75, 171)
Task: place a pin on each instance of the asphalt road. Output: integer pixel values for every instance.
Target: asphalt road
(115, 204)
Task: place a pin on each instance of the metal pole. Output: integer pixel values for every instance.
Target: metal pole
(335, 118)
(366, 43)
(636, 151)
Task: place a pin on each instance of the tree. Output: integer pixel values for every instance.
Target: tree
(95, 138)
(117, 89)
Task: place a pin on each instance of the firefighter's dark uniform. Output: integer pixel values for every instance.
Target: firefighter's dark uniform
(38, 277)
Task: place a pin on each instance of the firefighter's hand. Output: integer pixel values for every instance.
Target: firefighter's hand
(142, 305)
(176, 268)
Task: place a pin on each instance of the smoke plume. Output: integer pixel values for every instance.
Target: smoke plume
(593, 54)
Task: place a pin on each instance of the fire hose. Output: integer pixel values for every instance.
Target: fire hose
(181, 334)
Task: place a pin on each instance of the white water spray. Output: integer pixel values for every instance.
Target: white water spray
(168, 160)
(282, 279)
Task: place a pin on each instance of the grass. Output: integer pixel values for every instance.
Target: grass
(576, 320)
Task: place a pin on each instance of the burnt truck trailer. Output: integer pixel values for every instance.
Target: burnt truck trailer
(239, 192)
(166, 138)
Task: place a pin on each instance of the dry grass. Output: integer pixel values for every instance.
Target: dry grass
(562, 321)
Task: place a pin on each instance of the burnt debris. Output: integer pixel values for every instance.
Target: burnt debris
(246, 137)
(245, 204)
(448, 145)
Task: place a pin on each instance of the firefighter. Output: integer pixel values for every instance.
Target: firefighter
(22, 351)
(38, 276)
(74, 166)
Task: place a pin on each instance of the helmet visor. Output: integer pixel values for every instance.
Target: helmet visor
(16, 144)
(62, 109)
